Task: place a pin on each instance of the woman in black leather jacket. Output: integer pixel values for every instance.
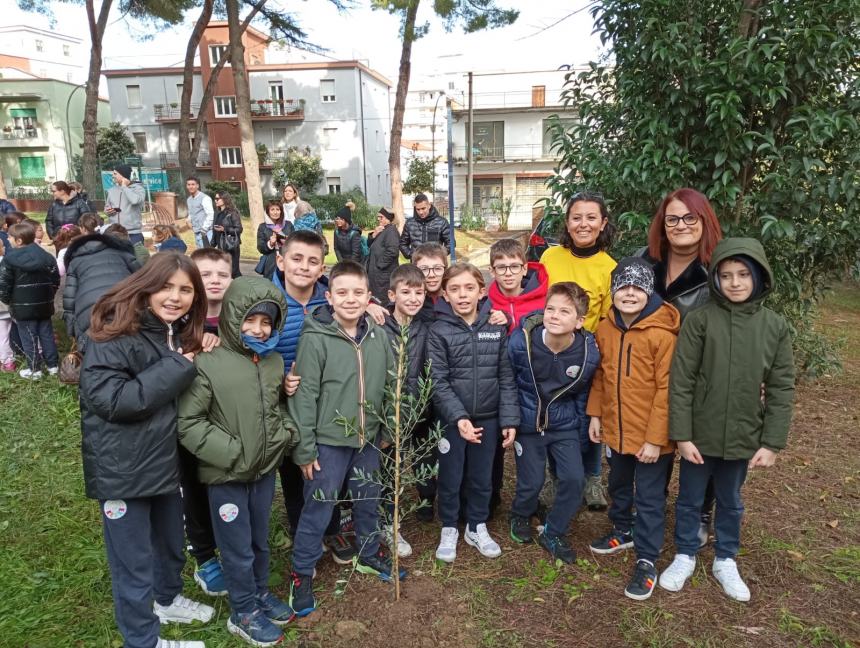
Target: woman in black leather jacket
(66, 209)
(227, 229)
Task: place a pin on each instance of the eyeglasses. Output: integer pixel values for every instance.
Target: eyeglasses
(689, 220)
(432, 271)
(514, 268)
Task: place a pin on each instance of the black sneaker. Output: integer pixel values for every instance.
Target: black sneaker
(612, 542)
(255, 628)
(642, 584)
(341, 548)
(521, 529)
(558, 547)
(379, 564)
(424, 512)
(302, 595)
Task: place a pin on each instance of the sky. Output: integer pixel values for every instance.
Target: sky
(548, 34)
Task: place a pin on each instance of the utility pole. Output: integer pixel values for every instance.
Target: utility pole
(469, 137)
(451, 180)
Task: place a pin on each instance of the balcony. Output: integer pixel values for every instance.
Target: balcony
(172, 112)
(29, 137)
(278, 109)
(171, 160)
(506, 153)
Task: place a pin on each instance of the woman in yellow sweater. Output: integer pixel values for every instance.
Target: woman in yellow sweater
(581, 255)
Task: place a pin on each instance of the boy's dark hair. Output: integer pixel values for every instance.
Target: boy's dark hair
(89, 222)
(117, 231)
(421, 198)
(23, 231)
(571, 291)
(507, 247)
(307, 237)
(431, 250)
(462, 268)
(13, 218)
(406, 274)
(36, 224)
(605, 238)
(195, 178)
(210, 254)
(348, 268)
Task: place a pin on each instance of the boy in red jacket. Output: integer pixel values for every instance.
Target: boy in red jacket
(519, 287)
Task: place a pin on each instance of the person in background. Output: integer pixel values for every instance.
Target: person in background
(201, 212)
(384, 257)
(425, 226)
(140, 251)
(9, 219)
(61, 243)
(90, 223)
(165, 237)
(125, 202)
(6, 207)
(7, 356)
(66, 209)
(291, 201)
(37, 226)
(227, 229)
(78, 190)
(347, 236)
(270, 235)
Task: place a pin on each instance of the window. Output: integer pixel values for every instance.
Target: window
(489, 140)
(179, 92)
(547, 132)
(276, 94)
(216, 53)
(132, 94)
(32, 167)
(327, 90)
(279, 138)
(333, 185)
(330, 138)
(538, 96)
(225, 106)
(139, 142)
(67, 51)
(40, 46)
(230, 156)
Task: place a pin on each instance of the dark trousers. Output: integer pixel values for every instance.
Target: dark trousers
(591, 455)
(420, 434)
(461, 461)
(633, 483)
(293, 485)
(36, 335)
(240, 519)
(195, 506)
(728, 476)
(531, 453)
(338, 463)
(143, 539)
(234, 263)
(708, 506)
(136, 239)
(498, 476)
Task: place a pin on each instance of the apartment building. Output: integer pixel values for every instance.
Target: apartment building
(425, 129)
(29, 52)
(337, 109)
(511, 113)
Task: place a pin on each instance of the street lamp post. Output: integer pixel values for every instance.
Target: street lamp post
(69, 131)
(433, 139)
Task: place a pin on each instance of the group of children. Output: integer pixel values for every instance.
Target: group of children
(290, 374)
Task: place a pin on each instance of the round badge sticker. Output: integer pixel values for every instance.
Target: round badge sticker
(228, 512)
(444, 446)
(114, 509)
(518, 448)
(572, 371)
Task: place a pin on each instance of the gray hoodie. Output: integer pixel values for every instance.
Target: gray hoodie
(130, 201)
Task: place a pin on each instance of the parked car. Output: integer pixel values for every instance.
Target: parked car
(544, 236)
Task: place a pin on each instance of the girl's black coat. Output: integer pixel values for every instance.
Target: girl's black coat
(470, 369)
(128, 392)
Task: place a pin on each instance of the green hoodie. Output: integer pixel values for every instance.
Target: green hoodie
(233, 418)
(338, 375)
(725, 352)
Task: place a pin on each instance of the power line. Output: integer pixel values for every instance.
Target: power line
(560, 20)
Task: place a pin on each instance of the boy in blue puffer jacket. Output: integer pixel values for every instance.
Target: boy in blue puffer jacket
(554, 360)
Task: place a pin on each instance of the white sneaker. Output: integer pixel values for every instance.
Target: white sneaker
(447, 549)
(404, 549)
(676, 574)
(173, 643)
(29, 374)
(481, 540)
(53, 371)
(726, 572)
(703, 534)
(183, 610)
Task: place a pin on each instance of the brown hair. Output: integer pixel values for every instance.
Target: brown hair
(13, 218)
(571, 291)
(210, 254)
(163, 232)
(121, 308)
(60, 185)
(430, 250)
(304, 236)
(347, 269)
(604, 239)
(89, 222)
(507, 247)
(65, 235)
(406, 274)
(275, 203)
(698, 204)
(117, 231)
(293, 187)
(462, 268)
(24, 231)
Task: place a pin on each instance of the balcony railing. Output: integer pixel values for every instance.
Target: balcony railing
(171, 160)
(507, 153)
(22, 137)
(172, 112)
(278, 108)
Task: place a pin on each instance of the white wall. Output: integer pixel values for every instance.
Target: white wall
(59, 55)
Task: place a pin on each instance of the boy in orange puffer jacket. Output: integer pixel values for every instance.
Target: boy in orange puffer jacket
(629, 406)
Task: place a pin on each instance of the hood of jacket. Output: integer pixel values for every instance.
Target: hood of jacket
(444, 311)
(433, 213)
(535, 284)
(652, 316)
(321, 320)
(93, 243)
(30, 258)
(752, 250)
(243, 294)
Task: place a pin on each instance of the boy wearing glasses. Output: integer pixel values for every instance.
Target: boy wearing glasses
(432, 260)
(519, 288)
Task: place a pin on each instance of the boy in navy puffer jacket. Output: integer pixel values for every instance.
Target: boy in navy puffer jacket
(554, 360)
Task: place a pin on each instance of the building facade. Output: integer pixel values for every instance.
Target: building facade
(28, 52)
(41, 130)
(337, 109)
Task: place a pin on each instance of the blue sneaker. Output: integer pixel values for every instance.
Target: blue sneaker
(210, 578)
(379, 564)
(275, 609)
(302, 595)
(255, 628)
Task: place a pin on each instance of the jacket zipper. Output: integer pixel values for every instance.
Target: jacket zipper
(256, 361)
(629, 349)
(563, 391)
(361, 414)
(170, 338)
(474, 369)
(618, 387)
(534, 380)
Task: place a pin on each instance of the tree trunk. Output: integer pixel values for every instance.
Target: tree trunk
(243, 113)
(399, 108)
(92, 179)
(748, 24)
(187, 152)
(2, 185)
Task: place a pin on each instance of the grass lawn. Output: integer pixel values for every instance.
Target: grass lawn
(800, 556)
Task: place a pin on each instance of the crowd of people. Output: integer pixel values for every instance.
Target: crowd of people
(200, 387)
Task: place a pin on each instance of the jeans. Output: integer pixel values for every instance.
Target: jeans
(728, 476)
(293, 485)
(136, 239)
(202, 242)
(37, 339)
(143, 540)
